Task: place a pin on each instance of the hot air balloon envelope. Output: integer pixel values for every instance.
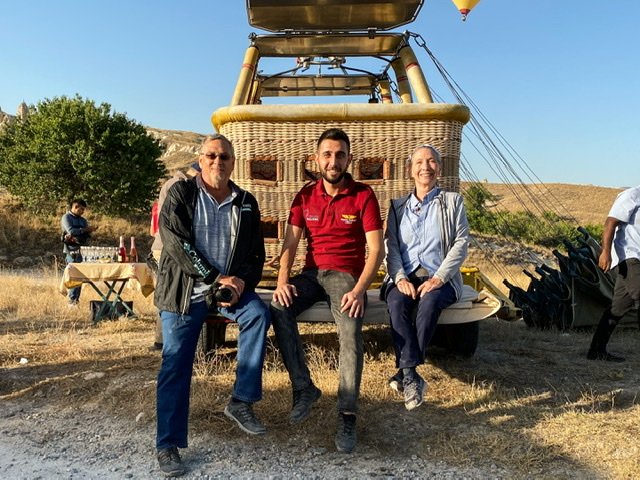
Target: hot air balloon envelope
(465, 6)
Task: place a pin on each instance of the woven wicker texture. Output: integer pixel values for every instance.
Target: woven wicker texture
(272, 158)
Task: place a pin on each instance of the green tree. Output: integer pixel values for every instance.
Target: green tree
(481, 219)
(69, 147)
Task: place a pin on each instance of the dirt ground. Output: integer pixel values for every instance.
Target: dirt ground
(526, 405)
(508, 412)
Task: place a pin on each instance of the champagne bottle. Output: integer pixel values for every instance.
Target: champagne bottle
(133, 251)
(122, 251)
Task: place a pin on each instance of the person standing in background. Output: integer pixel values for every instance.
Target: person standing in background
(76, 232)
(620, 253)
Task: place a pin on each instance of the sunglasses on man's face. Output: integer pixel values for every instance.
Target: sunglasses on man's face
(213, 156)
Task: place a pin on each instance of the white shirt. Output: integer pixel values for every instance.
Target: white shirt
(626, 240)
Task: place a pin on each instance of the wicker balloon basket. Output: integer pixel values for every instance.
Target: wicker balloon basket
(274, 147)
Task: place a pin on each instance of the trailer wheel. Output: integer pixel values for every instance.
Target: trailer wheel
(212, 336)
(460, 338)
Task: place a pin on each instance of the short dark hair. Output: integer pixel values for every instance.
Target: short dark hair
(335, 134)
(78, 201)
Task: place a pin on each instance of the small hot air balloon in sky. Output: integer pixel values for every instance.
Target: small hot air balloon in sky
(465, 6)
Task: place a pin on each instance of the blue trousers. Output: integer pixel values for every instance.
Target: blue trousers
(411, 338)
(73, 294)
(180, 334)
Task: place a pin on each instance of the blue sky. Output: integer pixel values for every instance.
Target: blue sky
(558, 79)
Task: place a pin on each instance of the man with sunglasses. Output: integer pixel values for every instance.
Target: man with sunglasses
(212, 239)
(339, 217)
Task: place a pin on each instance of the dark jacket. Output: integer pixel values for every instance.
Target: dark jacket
(74, 232)
(181, 264)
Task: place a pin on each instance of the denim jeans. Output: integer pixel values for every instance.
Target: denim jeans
(314, 286)
(180, 334)
(411, 338)
(73, 294)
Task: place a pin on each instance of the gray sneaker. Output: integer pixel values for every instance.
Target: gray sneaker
(302, 402)
(414, 392)
(170, 462)
(242, 414)
(346, 435)
(395, 382)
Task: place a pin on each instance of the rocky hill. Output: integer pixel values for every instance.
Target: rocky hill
(181, 147)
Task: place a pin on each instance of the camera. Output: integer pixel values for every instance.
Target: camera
(223, 294)
(217, 294)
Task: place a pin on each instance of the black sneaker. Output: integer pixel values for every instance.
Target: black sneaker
(302, 401)
(395, 382)
(606, 356)
(414, 392)
(346, 435)
(170, 462)
(242, 414)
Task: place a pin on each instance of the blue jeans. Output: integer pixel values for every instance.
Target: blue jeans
(314, 286)
(73, 294)
(411, 338)
(180, 334)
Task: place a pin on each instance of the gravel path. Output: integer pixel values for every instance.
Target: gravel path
(40, 442)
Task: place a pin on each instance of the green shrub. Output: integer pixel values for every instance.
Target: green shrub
(547, 230)
(69, 147)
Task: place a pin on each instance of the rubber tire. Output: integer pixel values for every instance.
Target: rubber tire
(460, 338)
(212, 336)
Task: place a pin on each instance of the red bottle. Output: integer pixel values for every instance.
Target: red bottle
(133, 251)
(122, 251)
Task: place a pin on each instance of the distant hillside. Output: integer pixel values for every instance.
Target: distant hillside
(588, 204)
(182, 147)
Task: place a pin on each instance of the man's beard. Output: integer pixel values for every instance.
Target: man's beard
(333, 181)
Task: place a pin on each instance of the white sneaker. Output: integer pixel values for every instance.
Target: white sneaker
(414, 393)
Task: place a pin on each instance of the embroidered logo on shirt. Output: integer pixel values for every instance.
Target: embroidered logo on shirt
(348, 219)
(311, 217)
(246, 207)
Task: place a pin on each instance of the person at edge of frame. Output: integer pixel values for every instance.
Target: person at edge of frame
(620, 253)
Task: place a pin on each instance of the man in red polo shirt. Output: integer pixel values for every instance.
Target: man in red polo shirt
(339, 217)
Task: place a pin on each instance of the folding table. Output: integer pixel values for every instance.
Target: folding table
(109, 280)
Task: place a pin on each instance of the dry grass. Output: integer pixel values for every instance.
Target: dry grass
(589, 204)
(23, 234)
(527, 403)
